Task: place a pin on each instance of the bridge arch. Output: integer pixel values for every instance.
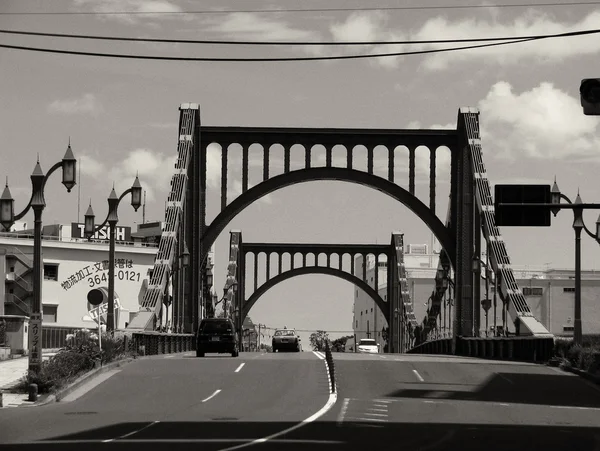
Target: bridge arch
(383, 305)
(441, 232)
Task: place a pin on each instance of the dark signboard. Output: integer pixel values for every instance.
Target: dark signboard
(521, 213)
(121, 234)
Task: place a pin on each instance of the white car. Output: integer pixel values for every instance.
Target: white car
(368, 346)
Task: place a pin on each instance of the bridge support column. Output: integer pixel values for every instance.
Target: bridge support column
(464, 206)
(394, 309)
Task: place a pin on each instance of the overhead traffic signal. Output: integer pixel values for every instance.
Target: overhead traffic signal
(589, 92)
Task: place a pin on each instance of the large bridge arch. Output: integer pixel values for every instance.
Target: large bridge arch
(248, 304)
(441, 232)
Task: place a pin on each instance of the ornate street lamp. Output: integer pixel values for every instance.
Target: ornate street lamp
(578, 226)
(7, 218)
(112, 219)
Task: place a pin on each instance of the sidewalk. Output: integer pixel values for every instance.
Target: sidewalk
(11, 371)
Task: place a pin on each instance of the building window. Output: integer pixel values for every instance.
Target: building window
(569, 289)
(371, 309)
(356, 325)
(568, 328)
(12, 269)
(533, 291)
(50, 312)
(50, 271)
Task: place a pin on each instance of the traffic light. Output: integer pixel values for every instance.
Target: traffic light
(589, 92)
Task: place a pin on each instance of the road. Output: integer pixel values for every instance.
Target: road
(277, 401)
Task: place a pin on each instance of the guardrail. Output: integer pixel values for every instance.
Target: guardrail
(156, 343)
(524, 349)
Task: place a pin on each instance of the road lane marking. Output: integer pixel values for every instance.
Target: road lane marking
(505, 378)
(328, 405)
(319, 355)
(379, 420)
(343, 410)
(378, 410)
(212, 396)
(418, 376)
(376, 414)
(130, 433)
(239, 368)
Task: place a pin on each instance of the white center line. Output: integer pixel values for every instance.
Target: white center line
(343, 410)
(212, 396)
(418, 376)
(239, 368)
(131, 433)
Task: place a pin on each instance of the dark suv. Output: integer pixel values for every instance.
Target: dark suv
(216, 335)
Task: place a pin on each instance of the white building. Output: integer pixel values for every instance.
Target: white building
(549, 293)
(74, 266)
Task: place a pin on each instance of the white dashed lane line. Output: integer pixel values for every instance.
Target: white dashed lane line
(239, 368)
(212, 396)
(418, 376)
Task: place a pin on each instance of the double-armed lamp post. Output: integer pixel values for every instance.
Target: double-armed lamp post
(578, 225)
(112, 219)
(7, 219)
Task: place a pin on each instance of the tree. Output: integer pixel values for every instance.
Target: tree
(318, 340)
(339, 344)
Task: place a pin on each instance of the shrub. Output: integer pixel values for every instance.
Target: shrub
(2, 332)
(58, 370)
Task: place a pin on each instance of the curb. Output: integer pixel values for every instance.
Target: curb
(57, 396)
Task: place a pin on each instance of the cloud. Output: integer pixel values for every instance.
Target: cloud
(84, 104)
(542, 123)
(253, 26)
(530, 23)
(155, 171)
(137, 6)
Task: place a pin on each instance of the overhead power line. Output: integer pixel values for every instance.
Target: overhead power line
(296, 43)
(276, 10)
(307, 58)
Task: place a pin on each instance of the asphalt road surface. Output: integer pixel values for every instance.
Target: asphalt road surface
(283, 401)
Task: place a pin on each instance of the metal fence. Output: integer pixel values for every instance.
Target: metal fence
(55, 337)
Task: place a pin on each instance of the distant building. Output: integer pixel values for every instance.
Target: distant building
(549, 293)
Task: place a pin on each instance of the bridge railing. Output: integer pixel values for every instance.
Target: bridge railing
(523, 349)
(156, 343)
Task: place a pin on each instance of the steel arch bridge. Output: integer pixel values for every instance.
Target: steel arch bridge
(396, 303)
(470, 212)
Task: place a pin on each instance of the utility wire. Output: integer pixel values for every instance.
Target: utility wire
(307, 58)
(275, 10)
(295, 43)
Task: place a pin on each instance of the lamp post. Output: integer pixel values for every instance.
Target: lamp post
(578, 226)
(7, 219)
(112, 219)
(181, 264)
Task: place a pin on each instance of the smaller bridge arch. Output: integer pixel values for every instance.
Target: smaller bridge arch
(285, 275)
(395, 306)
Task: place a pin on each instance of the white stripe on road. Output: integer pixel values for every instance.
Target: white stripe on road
(239, 368)
(319, 355)
(418, 376)
(131, 433)
(343, 410)
(198, 440)
(212, 396)
(328, 405)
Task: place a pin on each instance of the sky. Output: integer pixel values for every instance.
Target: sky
(121, 116)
